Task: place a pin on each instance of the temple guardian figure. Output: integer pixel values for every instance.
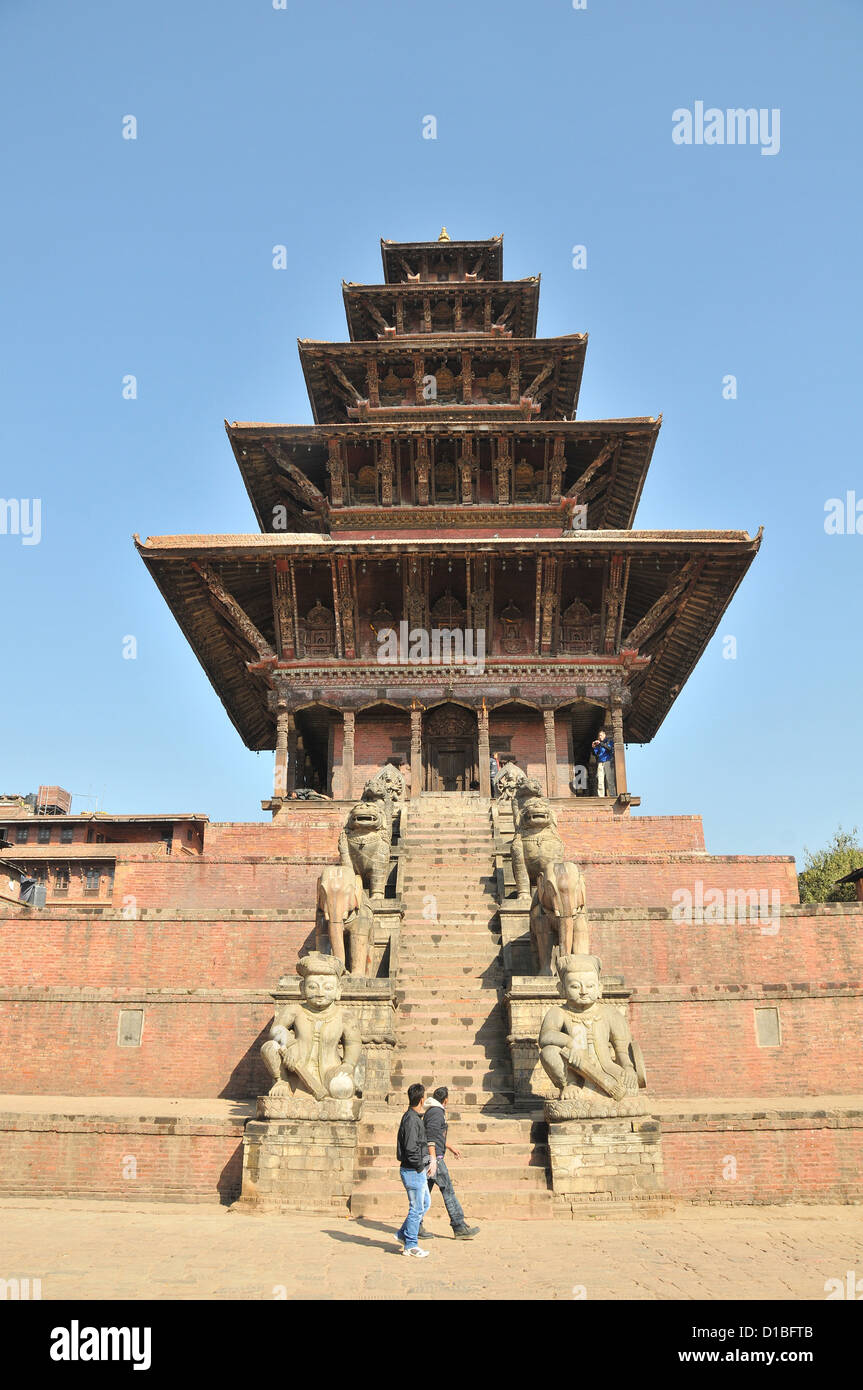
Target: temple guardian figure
(586, 1046)
(314, 1046)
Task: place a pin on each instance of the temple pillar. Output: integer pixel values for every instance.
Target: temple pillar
(550, 752)
(619, 752)
(284, 724)
(416, 751)
(484, 751)
(349, 720)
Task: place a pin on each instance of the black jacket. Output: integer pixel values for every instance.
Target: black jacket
(412, 1145)
(435, 1123)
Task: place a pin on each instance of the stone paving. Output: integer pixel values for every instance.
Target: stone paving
(129, 1250)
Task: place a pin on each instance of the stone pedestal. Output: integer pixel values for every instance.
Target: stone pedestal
(302, 1163)
(605, 1160)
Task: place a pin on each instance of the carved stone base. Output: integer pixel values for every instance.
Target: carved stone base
(604, 1160)
(583, 1104)
(299, 1164)
(304, 1107)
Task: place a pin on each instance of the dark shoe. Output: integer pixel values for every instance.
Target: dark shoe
(423, 1234)
(465, 1232)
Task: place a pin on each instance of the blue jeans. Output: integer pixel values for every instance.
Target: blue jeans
(417, 1188)
(447, 1191)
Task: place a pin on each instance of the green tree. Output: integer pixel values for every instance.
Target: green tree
(822, 868)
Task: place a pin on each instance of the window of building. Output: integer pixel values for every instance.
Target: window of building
(22, 834)
(130, 1027)
(61, 880)
(190, 834)
(66, 834)
(43, 834)
(92, 879)
(768, 1031)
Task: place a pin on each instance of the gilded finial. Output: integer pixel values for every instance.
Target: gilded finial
(444, 235)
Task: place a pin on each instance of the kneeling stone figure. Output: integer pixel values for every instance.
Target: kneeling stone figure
(314, 1046)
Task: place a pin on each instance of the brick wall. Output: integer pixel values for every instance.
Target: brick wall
(82, 1156)
(65, 1042)
(764, 1158)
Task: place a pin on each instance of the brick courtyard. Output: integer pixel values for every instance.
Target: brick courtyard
(129, 1250)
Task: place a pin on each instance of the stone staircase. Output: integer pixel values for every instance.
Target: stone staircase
(451, 1025)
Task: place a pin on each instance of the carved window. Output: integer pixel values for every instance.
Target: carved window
(92, 880)
(512, 629)
(525, 483)
(448, 612)
(366, 485)
(61, 880)
(579, 629)
(22, 834)
(445, 481)
(319, 628)
(43, 834)
(66, 834)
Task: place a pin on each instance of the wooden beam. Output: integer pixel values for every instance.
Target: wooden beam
(540, 377)
(602, 457)
(658, 611)
(346, 385)
(239, 619)
(301, 485)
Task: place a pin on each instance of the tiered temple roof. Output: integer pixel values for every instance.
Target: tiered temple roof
(446, 473)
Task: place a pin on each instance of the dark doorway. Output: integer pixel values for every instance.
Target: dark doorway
(450, 749)
(451, 765)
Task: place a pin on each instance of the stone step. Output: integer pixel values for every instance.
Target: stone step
(492, 1203)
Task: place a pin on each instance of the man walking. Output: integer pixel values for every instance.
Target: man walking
(417, 1163)
(436, 1131)
(603, 748)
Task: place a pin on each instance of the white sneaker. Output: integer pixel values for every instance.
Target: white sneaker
(415, 1250)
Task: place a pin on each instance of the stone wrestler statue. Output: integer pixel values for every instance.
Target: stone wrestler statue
(585, 1043)
(314, 1046)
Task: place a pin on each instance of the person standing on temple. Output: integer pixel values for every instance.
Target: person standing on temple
(436, 1127)
(417, 1163)
(603, 750)
(494, 772)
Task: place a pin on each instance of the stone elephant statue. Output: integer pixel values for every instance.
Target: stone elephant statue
(558, 914)
(342, 911)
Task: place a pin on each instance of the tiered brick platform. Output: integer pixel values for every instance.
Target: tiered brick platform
(212, 935)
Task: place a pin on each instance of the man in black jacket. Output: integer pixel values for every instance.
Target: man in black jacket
(417, 1163)
(436, 1129)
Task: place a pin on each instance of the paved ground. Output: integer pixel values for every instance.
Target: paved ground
(155, 1250)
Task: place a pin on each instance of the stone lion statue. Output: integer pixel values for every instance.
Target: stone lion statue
(511, 776)
(364, 845)
(536, 846)
(387, 789)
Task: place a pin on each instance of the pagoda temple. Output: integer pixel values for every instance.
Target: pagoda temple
(446, 487)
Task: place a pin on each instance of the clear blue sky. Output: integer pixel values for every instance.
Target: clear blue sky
(303, 127)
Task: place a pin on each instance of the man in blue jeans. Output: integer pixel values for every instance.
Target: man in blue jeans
(417, 1163)
(436, 1130)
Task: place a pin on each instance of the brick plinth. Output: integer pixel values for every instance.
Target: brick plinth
(299, 1165)
(598, 1161)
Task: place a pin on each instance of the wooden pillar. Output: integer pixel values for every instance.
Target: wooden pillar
(619, 751)
(550, 753)
(284, 724)
(484, 751)
(349, 720)
(416, 750)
